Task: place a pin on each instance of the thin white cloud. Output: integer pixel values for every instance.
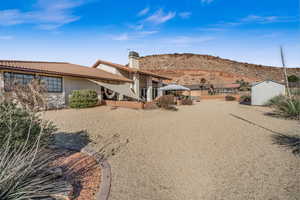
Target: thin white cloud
(136, 27)
(185, 15)
(147, 33)
(257, 19)
(187, 40)
(160, 17)
(214, 29)
(143, 12)
(11, 17)
(6, 37)
(121, 37)
(47, 14)
(133, 35)
(264, 19)
(207, 1)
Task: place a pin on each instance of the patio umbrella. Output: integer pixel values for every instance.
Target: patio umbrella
(174, 87)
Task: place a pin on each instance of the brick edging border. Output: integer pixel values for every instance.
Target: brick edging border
(105, 182)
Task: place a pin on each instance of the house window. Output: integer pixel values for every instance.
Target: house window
(53, 84)
(10, 79)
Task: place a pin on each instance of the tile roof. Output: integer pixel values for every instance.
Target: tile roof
(278, 82)
(60, 68)
(131, 70)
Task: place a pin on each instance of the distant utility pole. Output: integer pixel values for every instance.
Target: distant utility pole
(285, 72)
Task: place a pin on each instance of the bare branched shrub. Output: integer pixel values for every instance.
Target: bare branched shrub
(31, 97)
(166, 102)
(20, 116)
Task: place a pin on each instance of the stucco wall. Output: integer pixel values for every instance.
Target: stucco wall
(108, 69)
(263, 92)
(71, 84)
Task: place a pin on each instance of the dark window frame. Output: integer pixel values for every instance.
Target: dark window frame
(58, 88)
(10, 76)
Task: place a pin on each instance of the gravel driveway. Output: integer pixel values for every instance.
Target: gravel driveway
(199, 152)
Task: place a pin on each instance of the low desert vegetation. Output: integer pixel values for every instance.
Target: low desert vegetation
(285, 106)
(166, 102)
(187, 101)
(293, 79)
(25, 164)
(230, 98)
(26, 174)
(83, 99)
(289, 108)
(245, 86)
(276, 100)
(22, 126)
(245, 99)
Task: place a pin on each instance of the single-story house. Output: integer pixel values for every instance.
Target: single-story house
(262, 92)
(61, 79)
(145, 84)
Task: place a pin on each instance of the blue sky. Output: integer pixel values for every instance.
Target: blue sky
(82, 31)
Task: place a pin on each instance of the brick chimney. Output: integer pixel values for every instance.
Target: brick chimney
(134, 60)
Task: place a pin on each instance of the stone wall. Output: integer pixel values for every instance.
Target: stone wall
(56, 100)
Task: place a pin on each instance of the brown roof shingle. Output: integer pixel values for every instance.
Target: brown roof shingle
(131, 70)
(60, 68)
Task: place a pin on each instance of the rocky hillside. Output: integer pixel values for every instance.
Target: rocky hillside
(191, 68)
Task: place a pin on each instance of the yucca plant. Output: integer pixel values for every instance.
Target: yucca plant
(276, 100)
(25, 167)
(25, 175)
(289, 108)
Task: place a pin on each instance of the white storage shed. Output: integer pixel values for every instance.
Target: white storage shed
(262, 92)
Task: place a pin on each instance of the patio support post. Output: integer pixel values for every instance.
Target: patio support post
(149, 89)
(160, 84)
(136, 84)
(1, 83)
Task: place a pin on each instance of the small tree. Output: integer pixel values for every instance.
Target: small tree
(293, 78)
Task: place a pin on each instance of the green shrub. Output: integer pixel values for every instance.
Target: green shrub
(22, 125)
(289, 108)
(166, 102)
(230, 98)
(245, 99)
(83, 99)
(276, 100)
(293, 78)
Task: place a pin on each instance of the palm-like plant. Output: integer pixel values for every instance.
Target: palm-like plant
(289, 108)
(25, 175)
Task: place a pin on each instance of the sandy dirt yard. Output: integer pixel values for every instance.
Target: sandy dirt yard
(199, 152)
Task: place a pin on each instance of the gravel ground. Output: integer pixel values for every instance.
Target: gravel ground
(199, 152)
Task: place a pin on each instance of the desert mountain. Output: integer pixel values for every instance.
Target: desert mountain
(188, 69)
